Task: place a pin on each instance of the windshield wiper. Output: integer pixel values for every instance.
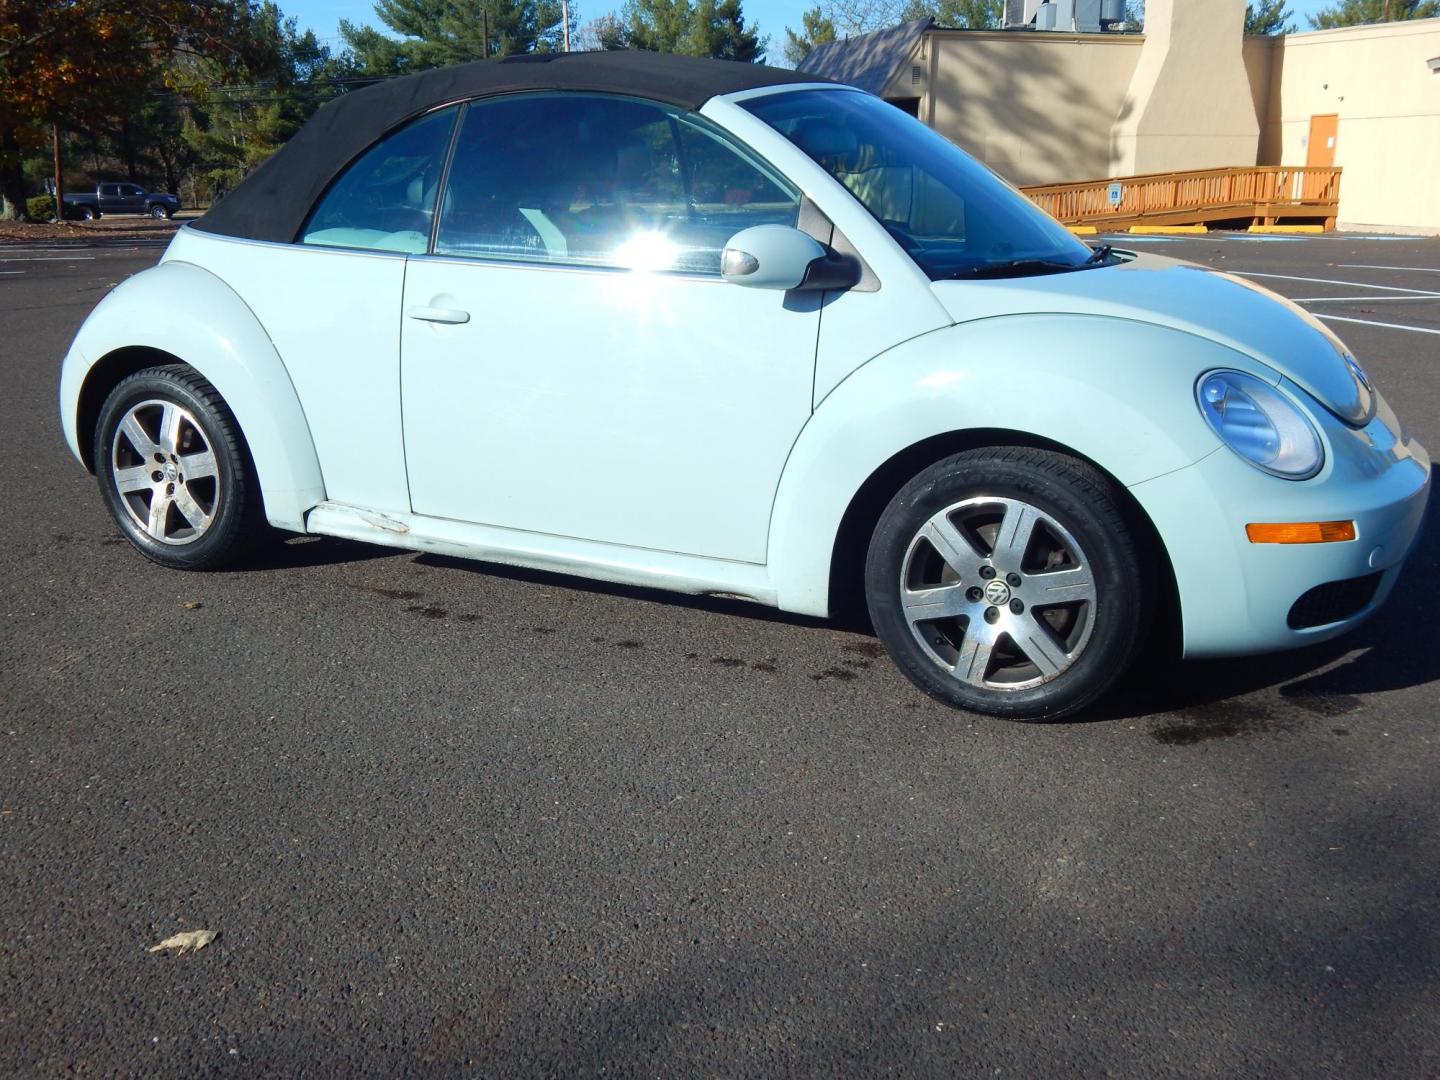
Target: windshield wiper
(1017, 268)
(1022, 267)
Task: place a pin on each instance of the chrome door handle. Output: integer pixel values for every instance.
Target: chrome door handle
(438, 314)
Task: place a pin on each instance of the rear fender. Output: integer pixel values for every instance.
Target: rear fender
(186, 313)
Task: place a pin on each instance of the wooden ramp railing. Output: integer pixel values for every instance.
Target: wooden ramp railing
(1265, 194)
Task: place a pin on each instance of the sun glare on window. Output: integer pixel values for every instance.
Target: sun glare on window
(647, 252)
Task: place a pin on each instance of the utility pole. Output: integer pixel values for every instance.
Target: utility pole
(484, 34)
(565, 21)
(59, 173)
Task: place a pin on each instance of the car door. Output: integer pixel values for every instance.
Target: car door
(132, 199)
(108, 196)
(572, 362)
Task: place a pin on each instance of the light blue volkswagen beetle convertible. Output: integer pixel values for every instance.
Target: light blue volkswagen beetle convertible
(723, 329)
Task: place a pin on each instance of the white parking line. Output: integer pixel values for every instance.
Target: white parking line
(1332, 281)
(109, 245)
(1372, 322)
(11, 272)
(58, 258)
(1365, 299)
(1368, 266)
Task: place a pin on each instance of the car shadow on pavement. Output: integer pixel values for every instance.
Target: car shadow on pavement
(720, 605)
(1389, 652)
(295, 552)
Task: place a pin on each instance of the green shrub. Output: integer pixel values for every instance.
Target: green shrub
(40, 207)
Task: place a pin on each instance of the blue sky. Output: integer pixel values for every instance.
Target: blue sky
(323, 16)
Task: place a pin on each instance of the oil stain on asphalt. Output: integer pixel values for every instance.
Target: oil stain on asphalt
(1219, 720)
(852, 665)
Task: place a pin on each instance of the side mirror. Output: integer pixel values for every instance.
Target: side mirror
(779, 257)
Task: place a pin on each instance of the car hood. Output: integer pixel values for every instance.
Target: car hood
(1194, 299)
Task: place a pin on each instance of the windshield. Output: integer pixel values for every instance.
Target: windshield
(953, 215)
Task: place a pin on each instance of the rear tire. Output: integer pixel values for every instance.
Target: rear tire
(174, 471)
(1009, 581)
(87, 214)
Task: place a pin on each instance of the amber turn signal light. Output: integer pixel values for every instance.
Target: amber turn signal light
(1302, 532)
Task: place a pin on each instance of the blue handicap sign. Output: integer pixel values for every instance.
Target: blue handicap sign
(1114, 194)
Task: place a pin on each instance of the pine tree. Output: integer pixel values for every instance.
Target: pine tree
(714, 28)
(1355, 12)
(720, 32)
(435, 33)
(815, 29)
(659, 25)
(234, 120)
(1267, 17)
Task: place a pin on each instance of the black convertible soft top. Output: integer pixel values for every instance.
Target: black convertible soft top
(273, 202)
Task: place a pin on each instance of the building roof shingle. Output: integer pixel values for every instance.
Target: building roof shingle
(868, 61)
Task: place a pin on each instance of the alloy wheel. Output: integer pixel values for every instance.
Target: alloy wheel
(165, 472)
(998, 593)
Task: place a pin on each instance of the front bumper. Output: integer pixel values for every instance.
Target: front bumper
(1237, 597)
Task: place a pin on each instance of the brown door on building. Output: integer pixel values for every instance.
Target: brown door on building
(1321, 148)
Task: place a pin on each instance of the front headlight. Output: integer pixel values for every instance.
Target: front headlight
(1260, 424)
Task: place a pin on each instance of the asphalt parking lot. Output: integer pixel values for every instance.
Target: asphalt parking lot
(453, 819)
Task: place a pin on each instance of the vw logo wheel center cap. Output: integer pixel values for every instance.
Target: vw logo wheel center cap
(997, 593)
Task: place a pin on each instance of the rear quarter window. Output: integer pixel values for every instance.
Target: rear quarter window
(385, 200)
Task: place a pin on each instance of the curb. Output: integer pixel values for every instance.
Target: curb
(1162, 230)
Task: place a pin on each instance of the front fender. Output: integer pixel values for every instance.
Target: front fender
(1117, 392)
(189, 313)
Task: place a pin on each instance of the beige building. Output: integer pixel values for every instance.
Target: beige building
(1366, 98)
(1192, 92)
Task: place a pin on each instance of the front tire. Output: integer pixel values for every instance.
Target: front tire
(159, 213)
(1009, 581)
(174, 471)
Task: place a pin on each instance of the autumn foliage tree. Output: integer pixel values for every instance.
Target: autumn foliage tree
(61, 60)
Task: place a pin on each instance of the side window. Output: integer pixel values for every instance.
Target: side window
(132, 191)
(109, 191)
(727, 188)
(385, 199)
(593, 180)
